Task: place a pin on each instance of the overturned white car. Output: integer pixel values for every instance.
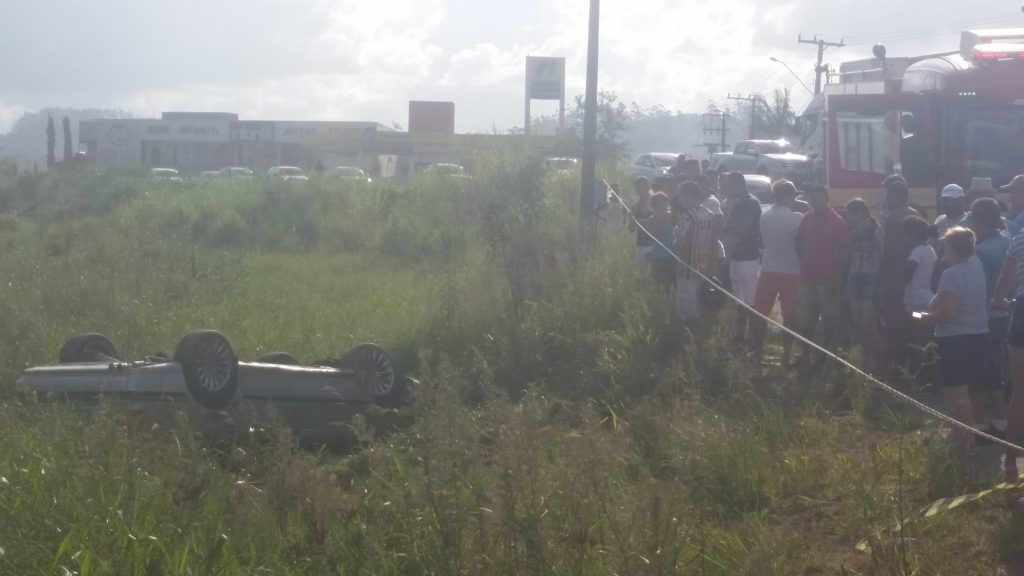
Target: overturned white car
(205, 373)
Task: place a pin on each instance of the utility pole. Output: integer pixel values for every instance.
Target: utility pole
(753, 99)
(715, 124)
(588, 216)
(819, 68)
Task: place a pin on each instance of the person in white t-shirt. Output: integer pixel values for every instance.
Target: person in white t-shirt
(918, 271)
(780, 266)
(920, 264)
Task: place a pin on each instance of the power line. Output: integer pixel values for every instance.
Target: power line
(958, 24)
(753, 99)
(930, 31)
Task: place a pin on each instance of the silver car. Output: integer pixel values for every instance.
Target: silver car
(165, 174)
(651, 165)
(206, 380)
(287, 173)
(350, 174)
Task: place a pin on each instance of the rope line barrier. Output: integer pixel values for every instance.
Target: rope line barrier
(942, 505)
(813, 345)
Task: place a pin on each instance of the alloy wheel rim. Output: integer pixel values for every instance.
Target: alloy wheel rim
(213, 365)
(381, 372)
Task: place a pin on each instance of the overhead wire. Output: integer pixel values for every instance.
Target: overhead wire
(929, 32)
(961, 24)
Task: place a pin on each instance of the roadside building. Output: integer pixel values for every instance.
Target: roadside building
(192, 142)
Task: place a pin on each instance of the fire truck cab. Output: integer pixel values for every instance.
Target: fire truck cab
(935, 119)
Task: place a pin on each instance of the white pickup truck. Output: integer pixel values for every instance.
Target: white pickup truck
(772, 158)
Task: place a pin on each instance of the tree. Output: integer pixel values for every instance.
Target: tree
(612, 117)
(51, 143)
(66, 125)
(26, 137)
(777, 118)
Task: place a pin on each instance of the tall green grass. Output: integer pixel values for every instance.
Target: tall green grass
(558, 428)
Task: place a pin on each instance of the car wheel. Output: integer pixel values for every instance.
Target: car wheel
(282, 358)
(87, 348)
(210, 368)
(374, 364)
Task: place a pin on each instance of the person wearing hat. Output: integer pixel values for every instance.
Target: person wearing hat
(1015, 223)
(780, 266)
(991, 246)
(952, 204)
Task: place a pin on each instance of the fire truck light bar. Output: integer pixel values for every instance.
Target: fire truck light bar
(999, 52)
(990, 45)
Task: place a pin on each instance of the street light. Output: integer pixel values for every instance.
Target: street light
(776, 60)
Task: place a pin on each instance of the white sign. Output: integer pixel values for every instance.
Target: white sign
(545, 78)
(184, 131)
(299, 132)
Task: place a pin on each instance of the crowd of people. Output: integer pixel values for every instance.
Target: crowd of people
(885, 281)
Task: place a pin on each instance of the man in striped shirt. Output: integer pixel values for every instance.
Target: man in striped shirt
(695, 245)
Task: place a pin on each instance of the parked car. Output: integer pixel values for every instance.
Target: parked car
(553, 164)
(772, 158)
(651, 165)
(236, 172)
(760, 187)
(205, 378)
(287, 173)
(349, 173)
(165, 174)
(446, 170)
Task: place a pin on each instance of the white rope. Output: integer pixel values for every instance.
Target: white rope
(883, 386)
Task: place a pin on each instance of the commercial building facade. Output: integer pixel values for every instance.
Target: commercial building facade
(194, 142)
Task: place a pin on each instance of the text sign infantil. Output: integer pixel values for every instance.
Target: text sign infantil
(545, 78)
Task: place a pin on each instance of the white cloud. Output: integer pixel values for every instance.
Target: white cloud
(353, 59)
(485, 65)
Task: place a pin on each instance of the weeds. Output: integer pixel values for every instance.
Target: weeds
(558, 428)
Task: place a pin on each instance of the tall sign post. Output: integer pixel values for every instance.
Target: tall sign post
(545, 80)
(588, 187)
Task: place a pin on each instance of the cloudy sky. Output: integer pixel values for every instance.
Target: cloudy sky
(364, 59)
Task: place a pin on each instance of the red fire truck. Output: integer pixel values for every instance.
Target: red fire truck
(935, 119)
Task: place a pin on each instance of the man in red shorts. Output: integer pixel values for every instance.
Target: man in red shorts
(780, 266)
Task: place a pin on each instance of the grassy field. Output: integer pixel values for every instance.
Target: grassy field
(557, 428)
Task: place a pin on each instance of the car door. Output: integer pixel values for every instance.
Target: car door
(742, 161)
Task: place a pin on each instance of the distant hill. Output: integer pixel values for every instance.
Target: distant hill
(25, 142)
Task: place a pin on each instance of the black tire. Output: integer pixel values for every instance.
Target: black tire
(283, 358)
(378, 371)
(87, 348)
(210, 368)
